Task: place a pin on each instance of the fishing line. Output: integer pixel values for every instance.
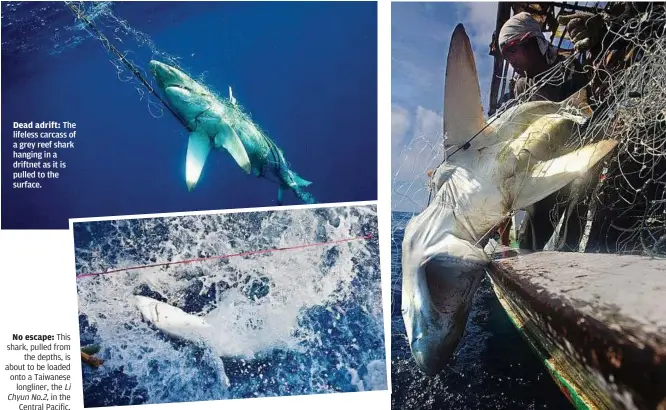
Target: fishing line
(227, 256)
(78, 13)
(135, 71)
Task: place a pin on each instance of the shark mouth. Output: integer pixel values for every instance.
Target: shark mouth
(179, 86)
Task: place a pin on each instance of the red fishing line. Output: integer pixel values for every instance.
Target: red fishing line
(258, 252)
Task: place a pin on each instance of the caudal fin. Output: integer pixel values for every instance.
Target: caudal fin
(298, 185)
(306, 197)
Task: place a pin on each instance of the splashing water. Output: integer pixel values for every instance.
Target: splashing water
(287, 322)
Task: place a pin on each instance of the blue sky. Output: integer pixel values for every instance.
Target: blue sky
(420, 35)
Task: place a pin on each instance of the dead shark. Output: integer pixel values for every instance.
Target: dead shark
(221, 124)
(509, 162)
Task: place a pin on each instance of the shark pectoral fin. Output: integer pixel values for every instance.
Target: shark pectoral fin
(280, 195)
(463, 112)
(300, 181)
(198, 148)
(547, 177)
(229, 140)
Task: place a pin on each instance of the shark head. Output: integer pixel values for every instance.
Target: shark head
(183, 94)
(441, 273)
(204, 116)
(435, 312)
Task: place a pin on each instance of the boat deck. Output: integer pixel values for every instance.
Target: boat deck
(597, 320)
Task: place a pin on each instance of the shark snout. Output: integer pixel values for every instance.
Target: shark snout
(436, 302)
(160, 71)
(168, 76)
(432, 354)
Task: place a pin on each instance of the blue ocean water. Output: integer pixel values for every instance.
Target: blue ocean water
(293, 322)
(305, 71)
(493, 368)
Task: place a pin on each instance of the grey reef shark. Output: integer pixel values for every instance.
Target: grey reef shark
(221, 123)
(507, 163)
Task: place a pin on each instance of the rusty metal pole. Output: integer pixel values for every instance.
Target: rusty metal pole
(503, 14)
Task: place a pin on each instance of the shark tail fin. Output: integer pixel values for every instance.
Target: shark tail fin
(463, 111)
(306, 197)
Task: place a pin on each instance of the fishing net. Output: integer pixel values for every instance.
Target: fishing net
(620, 205)
(129, 49)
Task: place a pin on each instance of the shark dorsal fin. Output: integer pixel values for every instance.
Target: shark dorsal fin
(232, 99)
(463, 112)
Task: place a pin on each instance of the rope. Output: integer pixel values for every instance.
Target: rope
(257, 252)
(105, 41)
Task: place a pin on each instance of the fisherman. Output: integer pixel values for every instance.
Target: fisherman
(535, 61)
(522, 43)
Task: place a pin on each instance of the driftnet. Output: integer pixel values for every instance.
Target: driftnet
(619, 206)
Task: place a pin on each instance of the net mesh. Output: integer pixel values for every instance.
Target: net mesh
(620, 205)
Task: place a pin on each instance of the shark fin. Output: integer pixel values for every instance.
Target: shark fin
(547, 177)
(463, 112)
(299, 181)
(228, 139)
(198, 148)
(232, 100)
(280, 195)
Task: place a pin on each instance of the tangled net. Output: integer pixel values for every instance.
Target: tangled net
(620, 205)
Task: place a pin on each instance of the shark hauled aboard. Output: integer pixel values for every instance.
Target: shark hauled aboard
(513, 160)
(218, 123)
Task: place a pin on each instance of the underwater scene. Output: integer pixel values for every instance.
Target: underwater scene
(185, 106)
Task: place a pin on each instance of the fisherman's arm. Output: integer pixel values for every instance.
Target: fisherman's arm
(588, 31)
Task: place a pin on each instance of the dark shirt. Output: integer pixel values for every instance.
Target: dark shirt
(568, 79)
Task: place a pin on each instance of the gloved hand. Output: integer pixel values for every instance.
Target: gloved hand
(585, 29)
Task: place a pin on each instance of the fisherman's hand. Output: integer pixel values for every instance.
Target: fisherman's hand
(585, 29)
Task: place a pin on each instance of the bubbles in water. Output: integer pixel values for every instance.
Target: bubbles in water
(317, 309)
